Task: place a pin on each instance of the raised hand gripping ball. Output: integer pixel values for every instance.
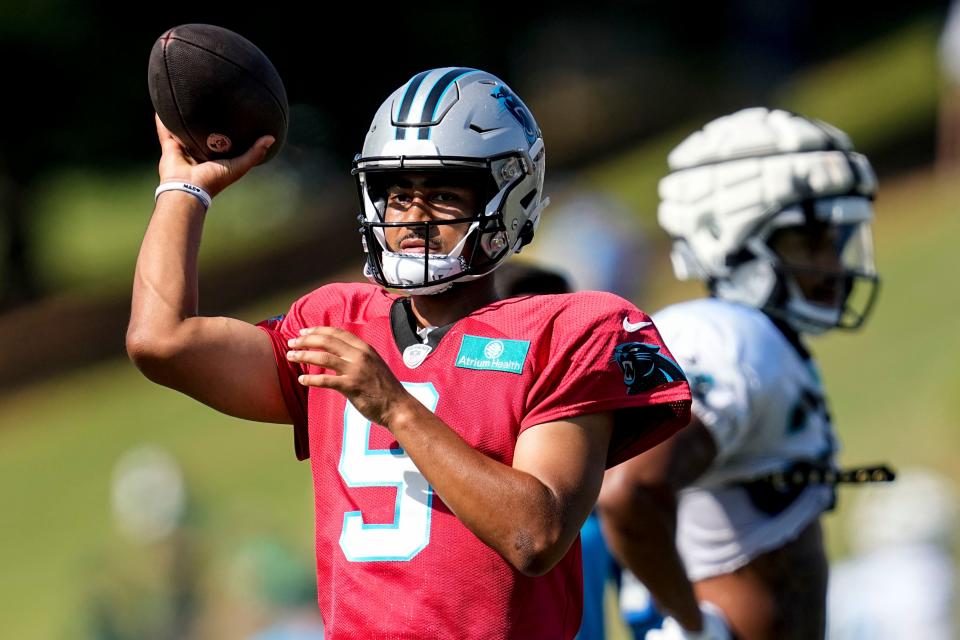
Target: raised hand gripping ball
(216, 91)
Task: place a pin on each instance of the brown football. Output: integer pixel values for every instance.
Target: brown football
(216, 91)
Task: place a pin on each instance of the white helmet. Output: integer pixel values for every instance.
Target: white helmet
(745, 176)
(462, 120)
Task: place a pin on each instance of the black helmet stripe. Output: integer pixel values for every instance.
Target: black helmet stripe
(437, 92)
(407, 101)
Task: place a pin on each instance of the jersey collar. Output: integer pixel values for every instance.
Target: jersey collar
(404, 325)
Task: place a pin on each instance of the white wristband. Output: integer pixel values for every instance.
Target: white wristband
(194, 190)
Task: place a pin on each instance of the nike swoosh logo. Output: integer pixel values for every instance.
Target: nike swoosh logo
(480, 129)
(630, 327)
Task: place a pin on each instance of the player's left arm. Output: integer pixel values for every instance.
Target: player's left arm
(638, 511)
(530, 512)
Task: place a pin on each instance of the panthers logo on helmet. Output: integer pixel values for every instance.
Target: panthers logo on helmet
(644, 367)
(512, 104)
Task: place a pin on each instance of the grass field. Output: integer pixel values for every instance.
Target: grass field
(58, 444)
(91, 223)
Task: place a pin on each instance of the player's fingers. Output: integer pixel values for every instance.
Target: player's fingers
(167, 139)
(320, 380)
(318, 358)
(173, 151)
(329, 343)
(162, 131)
(249, 159)
(335, 332)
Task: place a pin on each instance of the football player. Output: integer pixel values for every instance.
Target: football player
(457, 441)
(721, 522)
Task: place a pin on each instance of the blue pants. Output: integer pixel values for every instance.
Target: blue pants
(599, 568)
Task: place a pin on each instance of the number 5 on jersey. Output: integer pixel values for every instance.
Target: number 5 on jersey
(361, 466)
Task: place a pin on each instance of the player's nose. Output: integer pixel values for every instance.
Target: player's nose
(418, 210)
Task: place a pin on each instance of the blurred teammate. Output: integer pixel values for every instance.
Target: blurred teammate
(721, 522)
(457, 441)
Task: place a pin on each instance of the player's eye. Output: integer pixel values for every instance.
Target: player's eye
(445, 197)
(399, 198)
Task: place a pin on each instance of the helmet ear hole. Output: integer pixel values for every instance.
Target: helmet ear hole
(527, 199)
(526, 234)
(734, 260)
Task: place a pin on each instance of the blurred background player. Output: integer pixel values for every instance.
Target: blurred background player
(445, 428)
(772, 211)
(596, 242)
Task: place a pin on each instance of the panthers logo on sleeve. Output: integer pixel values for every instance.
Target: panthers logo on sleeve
(644, 367)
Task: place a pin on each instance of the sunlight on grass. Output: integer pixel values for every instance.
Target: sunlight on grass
(58, 444)
(89, 225)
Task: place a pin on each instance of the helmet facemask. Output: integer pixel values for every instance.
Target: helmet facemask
(837, 289)
(486, 241)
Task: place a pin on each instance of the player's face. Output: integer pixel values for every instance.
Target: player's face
(812, 254)
(418, 198)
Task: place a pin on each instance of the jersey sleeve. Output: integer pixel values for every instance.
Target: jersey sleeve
(280, 329)
(723, 386)
(605, 355)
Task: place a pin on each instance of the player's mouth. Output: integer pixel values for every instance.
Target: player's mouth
(827, 292)
(417, 245)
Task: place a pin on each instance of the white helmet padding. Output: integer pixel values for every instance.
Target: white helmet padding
(744, 176)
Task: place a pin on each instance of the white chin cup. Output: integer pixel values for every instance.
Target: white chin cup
(406, 270)
(806, 316)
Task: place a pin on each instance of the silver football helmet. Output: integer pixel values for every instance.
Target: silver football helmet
(742, 179)
(452, 120)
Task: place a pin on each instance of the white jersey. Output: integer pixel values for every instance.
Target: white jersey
(763, 403)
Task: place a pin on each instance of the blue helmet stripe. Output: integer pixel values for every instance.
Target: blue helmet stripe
(436, 93)
(407, 101)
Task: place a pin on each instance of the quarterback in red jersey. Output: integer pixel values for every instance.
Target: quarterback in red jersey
(457, 440)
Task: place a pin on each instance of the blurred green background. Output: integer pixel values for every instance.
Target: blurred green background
(619, 93)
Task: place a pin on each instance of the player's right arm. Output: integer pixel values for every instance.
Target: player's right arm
(225, 363)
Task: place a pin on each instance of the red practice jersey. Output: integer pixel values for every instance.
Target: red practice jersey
(392, 560)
